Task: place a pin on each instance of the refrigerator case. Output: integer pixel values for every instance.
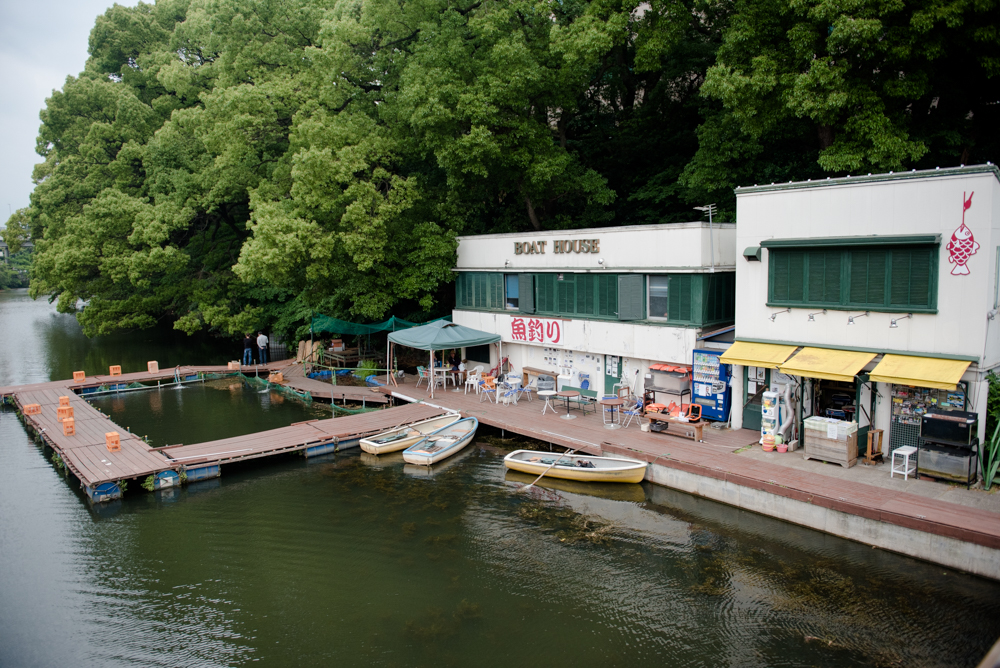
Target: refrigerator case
(710, 385)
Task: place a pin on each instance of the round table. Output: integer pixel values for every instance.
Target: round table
(615, 404)
(567, 395)
(547, 395)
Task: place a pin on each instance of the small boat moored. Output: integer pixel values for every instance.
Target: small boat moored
(586, 468)
(401, 438)
(443, 443)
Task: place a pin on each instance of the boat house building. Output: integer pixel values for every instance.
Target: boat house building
(597, 307)
(873, 297)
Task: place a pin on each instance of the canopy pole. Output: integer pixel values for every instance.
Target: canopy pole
(430, 374)
(388, 368)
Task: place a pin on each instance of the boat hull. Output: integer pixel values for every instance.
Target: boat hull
(422, 429)
(621, 470)
(413, 455)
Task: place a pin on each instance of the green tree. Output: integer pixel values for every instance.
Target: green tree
(805, 87)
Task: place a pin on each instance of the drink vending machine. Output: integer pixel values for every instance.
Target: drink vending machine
(710, 385)
(770, 417)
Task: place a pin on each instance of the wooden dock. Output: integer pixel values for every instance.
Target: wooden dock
(295, 378)
(100, 470)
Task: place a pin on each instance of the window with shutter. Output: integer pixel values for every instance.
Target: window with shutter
(680, 297)
(526, 292)
(567, 293)
(585, 294)
(630, 297)
(881, 277)
(546, 293)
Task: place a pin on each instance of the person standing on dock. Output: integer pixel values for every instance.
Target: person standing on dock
(248, 349)
(262, 346)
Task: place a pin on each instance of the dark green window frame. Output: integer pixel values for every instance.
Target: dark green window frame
(577, 295)
(887, 278)
(480, 290)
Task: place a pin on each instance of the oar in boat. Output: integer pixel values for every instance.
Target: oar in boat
(565, 454)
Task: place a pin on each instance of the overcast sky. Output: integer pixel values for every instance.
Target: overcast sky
(41, 43)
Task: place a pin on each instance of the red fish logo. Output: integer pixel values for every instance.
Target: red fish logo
(962, 245)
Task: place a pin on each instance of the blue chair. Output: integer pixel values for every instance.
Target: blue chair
(633, 413)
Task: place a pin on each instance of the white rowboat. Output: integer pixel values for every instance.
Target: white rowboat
(443, 443)
(586, 468)
(401, 438)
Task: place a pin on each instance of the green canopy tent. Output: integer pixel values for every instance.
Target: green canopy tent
(440, 335)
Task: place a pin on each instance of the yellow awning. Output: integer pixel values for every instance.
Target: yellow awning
(768, 355)
(827, 363)
(920, 371)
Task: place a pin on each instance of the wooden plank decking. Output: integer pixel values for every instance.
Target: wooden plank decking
(295, 377)
(86, 455)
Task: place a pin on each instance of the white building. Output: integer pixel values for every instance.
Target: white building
(598, 305)
(887, 283)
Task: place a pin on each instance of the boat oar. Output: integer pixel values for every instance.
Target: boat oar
(565, 454)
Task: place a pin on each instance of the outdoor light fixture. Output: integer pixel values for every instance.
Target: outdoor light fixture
(992, 314)
(812, 316)
(600, 261)
(777, 313)
(892, 323)
(506, 263)
(850, 319)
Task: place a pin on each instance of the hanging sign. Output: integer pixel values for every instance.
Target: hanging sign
(962, 245)
(535, 330)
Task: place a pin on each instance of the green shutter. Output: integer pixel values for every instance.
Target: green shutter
(607, 295)
(787, 275)
(567, 294)
(630, 297)
(823, 280)
(719, 298)
(680, 297)
(867, 282)
(526, 293)
(546, 293)
(912, 278)
(497, 299)
(585, 294)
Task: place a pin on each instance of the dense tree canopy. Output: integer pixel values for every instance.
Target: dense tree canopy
(229, 164)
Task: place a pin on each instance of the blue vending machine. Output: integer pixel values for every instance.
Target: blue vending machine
(710, 385)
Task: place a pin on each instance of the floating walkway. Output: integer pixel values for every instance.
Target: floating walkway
(100, 467)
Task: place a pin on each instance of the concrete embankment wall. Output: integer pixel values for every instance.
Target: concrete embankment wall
(953, 553)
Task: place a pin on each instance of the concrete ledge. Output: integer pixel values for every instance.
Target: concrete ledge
(823, 515)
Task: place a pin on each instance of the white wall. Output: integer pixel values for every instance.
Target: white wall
(931, 205)
(627, 339)
(680, 247)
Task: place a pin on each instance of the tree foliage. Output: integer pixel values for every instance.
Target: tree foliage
(231, 165)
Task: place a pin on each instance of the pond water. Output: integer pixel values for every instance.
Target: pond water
(353, 559)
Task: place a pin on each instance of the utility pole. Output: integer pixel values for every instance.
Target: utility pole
(710, 208)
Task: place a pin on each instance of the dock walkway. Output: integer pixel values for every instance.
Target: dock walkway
(295, 377)
(87, 456)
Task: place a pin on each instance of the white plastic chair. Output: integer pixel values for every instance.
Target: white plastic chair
(473, 378)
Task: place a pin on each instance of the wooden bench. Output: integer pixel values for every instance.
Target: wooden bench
(692, 430)
(586, 398)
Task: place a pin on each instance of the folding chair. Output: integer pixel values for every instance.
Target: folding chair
(633, 413)
(487, 387)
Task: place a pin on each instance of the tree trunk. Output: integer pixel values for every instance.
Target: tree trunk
(531, 214)
(825, 133)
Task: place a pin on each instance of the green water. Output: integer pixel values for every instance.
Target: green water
(353, 560)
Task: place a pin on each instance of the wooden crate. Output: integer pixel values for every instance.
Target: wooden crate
(79, 376)
(64, 401)
(113, 441)
(64, 412)
(115, 370)
(32, 409)
(836, 451)
(153, 367)
(69, 427)
(233, 366)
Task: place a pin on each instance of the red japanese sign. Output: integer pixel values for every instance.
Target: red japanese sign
(533, 330)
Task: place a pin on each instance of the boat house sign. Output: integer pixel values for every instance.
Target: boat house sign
(559, 246)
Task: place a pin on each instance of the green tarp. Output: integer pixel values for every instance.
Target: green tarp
(325, 324)
(441, 335)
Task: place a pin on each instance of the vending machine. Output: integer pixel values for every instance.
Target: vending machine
(710, 385)
(770, 417)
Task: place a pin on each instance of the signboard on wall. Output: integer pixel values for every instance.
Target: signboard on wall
(537, 330)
